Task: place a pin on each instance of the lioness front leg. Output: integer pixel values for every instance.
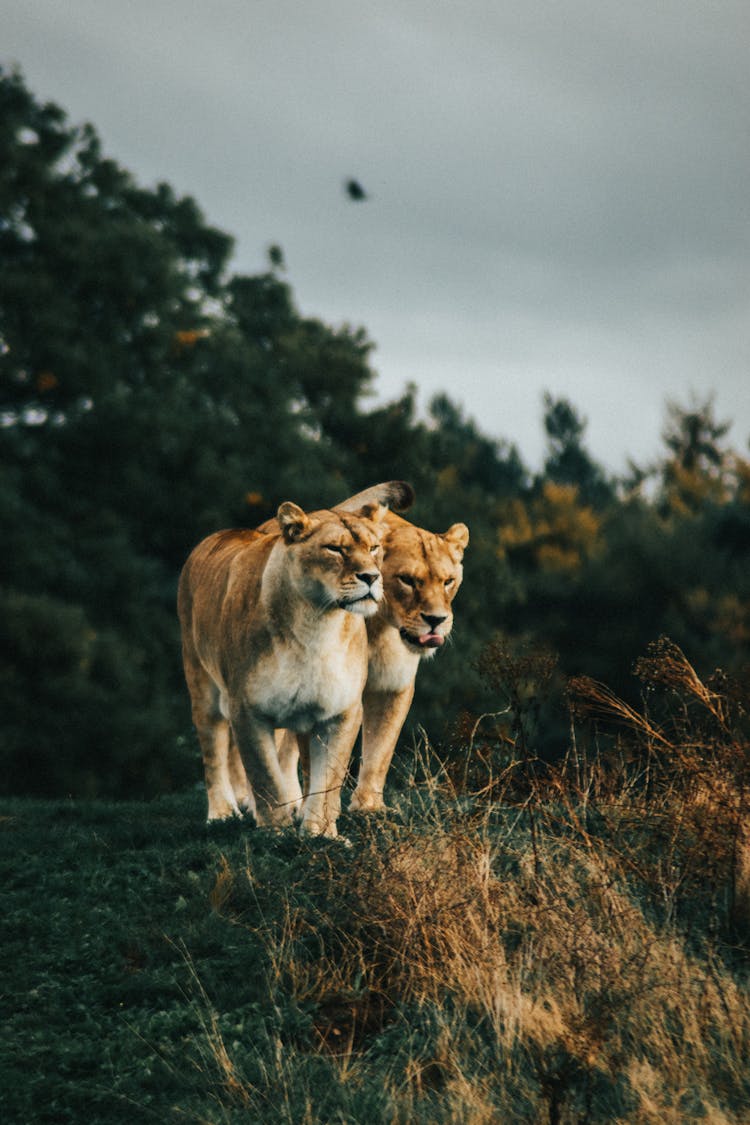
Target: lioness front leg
(330, 750)
(288, 748)
(384, 714)
(257, 746)
(243, 794)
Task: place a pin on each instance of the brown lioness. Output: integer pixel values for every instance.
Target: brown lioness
(422, 572)
(273, 633)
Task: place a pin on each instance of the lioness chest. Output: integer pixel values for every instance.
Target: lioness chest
(297, 688)
(391, 667)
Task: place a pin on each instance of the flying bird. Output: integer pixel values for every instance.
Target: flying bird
(355, 191)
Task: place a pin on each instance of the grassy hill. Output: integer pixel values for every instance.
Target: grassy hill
(572, 950)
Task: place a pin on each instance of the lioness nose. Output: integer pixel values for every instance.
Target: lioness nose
(433, 620)
(368, 576)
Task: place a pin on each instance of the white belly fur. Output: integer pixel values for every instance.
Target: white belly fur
(297, 695)
(392, 668)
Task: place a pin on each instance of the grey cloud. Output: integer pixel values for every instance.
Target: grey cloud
(559, 192)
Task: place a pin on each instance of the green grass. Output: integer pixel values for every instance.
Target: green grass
(513, 942)
(451, 965)
(93, 989)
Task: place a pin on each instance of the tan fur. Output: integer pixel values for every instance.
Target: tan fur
(421, 576)
(422, 572)
(273, 628)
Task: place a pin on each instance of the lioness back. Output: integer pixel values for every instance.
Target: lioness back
(206, 593)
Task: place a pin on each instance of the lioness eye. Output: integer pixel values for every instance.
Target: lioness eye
(407, 580)
(334, 549)
(449, 582)
(374, 550)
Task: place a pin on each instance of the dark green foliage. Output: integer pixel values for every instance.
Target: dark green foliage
(64, 736)
(145, 401)
(567, 460)
(148, 397)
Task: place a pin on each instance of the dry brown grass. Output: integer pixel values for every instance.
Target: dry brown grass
(572, 956)
(570, 989)
(688, 779)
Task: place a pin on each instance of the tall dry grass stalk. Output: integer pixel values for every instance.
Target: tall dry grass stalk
(689, 773)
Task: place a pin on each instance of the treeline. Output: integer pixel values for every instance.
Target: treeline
(148, 396)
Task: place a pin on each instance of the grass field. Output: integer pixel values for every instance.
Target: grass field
(514, 946)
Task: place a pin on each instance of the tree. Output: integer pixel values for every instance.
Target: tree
(146, 400)
(567, 462)
(148, 397)
(551, 530)
(698, 469)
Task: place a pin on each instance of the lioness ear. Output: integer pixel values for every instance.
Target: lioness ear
(373, 511)
(458, 536)
(293, 521)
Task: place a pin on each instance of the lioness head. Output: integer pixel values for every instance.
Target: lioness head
(421, 574)
(334, 557)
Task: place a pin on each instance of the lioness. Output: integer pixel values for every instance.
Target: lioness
(273, 633)
(421, 572)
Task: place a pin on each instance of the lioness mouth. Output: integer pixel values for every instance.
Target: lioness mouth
(368, 597)
(426, 640)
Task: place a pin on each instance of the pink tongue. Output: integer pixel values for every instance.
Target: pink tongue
(431, 640)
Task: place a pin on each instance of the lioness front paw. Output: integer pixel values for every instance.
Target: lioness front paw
(221, 809)
(279, 817)
(362, 801)
(312, 826)
(247, 804)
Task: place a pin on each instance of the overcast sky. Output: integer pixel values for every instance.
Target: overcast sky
(559, 192)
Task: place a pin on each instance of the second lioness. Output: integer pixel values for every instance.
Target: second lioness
(422, 572)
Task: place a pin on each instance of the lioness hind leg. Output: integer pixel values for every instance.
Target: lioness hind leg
(213, 735)
(215, 747)
(210, 724)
